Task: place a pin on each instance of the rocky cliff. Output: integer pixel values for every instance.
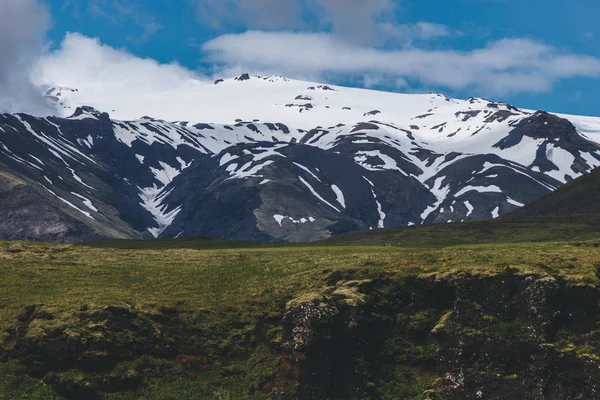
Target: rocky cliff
(457, 335)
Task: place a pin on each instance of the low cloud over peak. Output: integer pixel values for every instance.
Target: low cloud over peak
(23, 26)
(508, 66)
(84, 61)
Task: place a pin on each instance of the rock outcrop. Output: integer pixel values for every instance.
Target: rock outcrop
(455, 337)
(445, 336)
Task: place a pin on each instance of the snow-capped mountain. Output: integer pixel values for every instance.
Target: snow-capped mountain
(268, 158)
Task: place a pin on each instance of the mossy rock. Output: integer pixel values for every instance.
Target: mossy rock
(441, 326)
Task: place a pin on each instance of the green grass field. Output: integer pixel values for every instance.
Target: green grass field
(233, 284)
(71, 275)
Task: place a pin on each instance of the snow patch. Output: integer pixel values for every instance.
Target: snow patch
(382, 215)
(227, 158)
(247, 170)
(280, 218)
(87, 202)
(362, 159)
(563, 160)
(514, 202)
(307, 170)
(470, 208)
(73, 206)
(152, 200)
(317, 195)
(496, 212)
(339, 195)
(37, 159)
(480, 189)
(78, 179)
(440, 192)
(166, 174)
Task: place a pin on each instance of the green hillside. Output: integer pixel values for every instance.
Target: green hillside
(579, 197)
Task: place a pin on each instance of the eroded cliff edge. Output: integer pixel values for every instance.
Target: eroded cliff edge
(457, 335)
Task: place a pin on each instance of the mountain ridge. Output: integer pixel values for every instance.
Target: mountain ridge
(297, 176)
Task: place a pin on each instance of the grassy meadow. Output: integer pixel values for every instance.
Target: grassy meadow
(234, 285)
(69, 276)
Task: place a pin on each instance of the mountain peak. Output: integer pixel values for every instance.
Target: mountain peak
(83, 112)
(268, 158)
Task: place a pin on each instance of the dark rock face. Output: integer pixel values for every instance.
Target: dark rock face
(540, 125)
(301, 107)
(321, 87)
(27, 215)
(495, 338)
(87, 110)
(364, 126)
(460, 172)
(318, 330)
(243, 77)
(514, 343)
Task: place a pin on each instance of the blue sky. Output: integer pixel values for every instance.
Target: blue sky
(557, 39)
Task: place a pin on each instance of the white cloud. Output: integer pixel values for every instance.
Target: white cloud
(23, 26)
(504, 67)
(427, 30)
(373, 80)
(85, 62)
(406, 34)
